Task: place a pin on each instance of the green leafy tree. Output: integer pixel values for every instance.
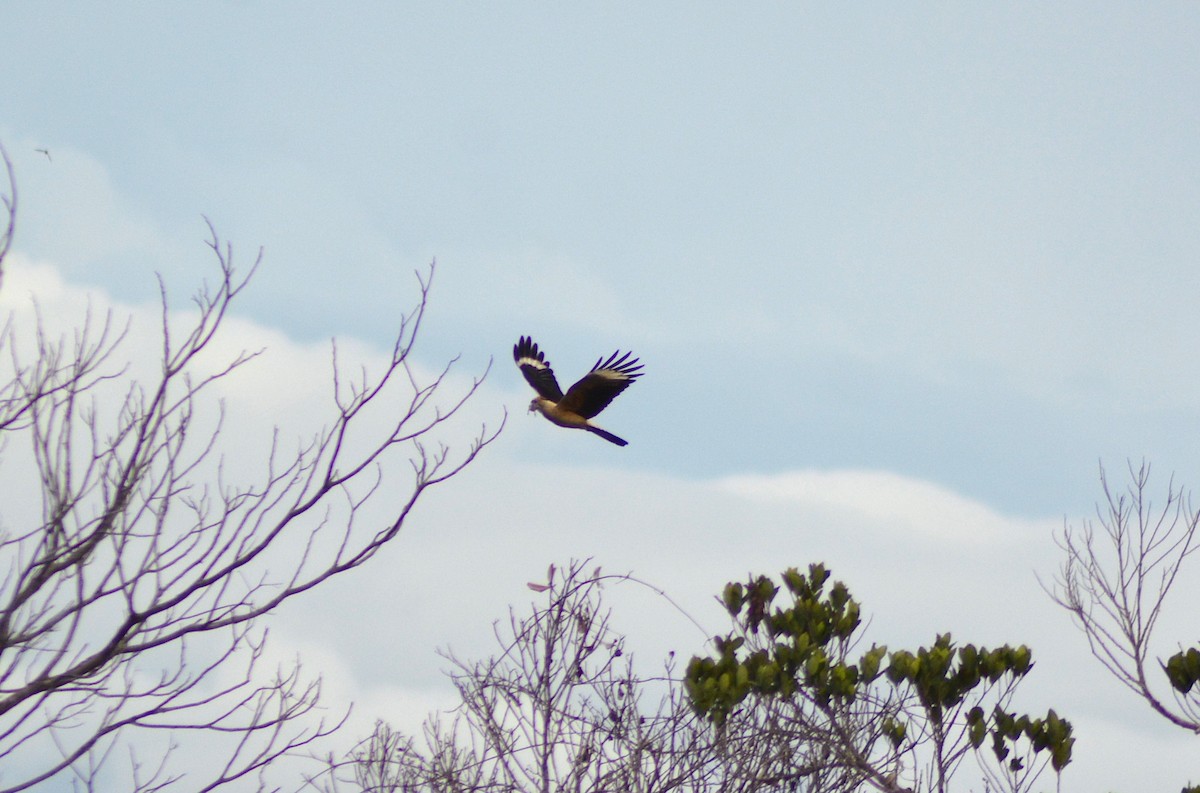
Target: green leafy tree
(892, 721)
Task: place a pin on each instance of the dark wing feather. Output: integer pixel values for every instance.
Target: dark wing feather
(600, 386)
(536, 369)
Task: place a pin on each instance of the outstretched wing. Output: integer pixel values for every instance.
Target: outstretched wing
(601, 385)
(536, 369)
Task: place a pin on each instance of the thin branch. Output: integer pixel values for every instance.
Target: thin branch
(9, 202)
(127, 606)
(1116, 578)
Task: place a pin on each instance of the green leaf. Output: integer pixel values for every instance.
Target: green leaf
(733, 597)
(869, 664)
(976, 727)
(1022, 660)
(894, 731)
(1183, 670)
(795, 582)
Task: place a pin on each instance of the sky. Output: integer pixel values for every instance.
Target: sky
(902, 279)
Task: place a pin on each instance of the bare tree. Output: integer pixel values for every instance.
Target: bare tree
(131, 607)
(562, 708)
(1115, 581)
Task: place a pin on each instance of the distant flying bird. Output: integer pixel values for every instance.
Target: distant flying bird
(584, 399)
(46, 152)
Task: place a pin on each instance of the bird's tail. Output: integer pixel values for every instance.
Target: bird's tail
(608, 436)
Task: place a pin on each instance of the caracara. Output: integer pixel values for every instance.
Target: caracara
(584, 399)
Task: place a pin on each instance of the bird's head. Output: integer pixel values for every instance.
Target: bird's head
(535, 405)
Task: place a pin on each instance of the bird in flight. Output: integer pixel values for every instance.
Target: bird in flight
(583, 400)
(46, 152)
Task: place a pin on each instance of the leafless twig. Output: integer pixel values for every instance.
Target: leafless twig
(132, 605)
(1115, 580)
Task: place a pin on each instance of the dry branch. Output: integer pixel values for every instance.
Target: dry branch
(133, 603)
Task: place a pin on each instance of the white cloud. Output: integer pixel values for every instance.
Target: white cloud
(898, 503)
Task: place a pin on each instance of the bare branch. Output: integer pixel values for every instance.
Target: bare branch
(9, 202)
(126, 606)
(1115, 580)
